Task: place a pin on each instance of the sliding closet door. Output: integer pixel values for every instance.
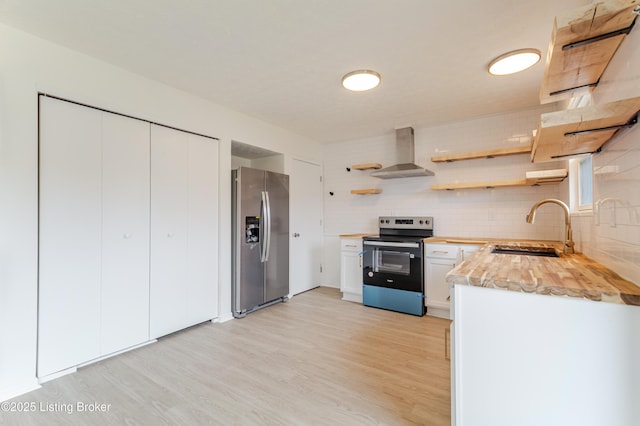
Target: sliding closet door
(125, 233)
(69, 235)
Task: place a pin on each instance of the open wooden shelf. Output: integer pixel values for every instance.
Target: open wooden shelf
(482, 154)
(489, 184)
(534, 178)
(581, 130)
(365, 191)
(582, 44)
(541, 177)
(367, 166)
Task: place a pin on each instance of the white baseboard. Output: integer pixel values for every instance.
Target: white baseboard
(17, 390)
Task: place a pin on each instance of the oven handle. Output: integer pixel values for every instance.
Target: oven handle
(391, 244)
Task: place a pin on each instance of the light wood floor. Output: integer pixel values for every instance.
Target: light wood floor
(315, 360)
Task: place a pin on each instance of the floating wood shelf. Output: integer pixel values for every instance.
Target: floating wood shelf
(581, 130)
(534, 178)
(367, 166)
(491, 184)
(540, 177)
(482, 154)
(365, 191)
(582, 44)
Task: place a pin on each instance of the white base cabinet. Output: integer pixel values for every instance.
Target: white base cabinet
(529, 360)
(351, 269)
(440, 258)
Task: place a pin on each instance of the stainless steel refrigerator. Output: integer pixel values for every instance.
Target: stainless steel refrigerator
(260, 221)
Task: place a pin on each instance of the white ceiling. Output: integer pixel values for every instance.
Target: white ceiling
(282, 60)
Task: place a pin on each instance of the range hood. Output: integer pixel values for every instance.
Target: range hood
(405, 168)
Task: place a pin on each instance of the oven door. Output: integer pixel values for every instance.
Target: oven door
(393, 265)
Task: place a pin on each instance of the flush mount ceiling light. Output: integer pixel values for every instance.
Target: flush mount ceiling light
(361, 80)
(513, 62)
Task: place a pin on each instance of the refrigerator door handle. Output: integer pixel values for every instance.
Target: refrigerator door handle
(262, 225)
(267, 243)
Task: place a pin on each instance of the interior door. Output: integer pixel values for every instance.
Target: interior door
(202, 247)
(169, 174)
(125, 234)
(306, 226)
(69, 235)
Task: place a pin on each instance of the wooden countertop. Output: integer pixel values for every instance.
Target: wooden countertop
(482, 241)
(452, 240)
(573, 275)
(356, 236)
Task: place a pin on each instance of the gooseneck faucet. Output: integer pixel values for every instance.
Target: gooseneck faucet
(568, 241)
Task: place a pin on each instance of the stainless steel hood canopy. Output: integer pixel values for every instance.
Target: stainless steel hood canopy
(405, 150)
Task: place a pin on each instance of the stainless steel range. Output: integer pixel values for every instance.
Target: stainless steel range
(393, 267)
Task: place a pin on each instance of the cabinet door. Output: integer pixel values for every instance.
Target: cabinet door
(168, 271)
(125, 233)
(202, 229)
(437, 289)
(468, 250)
(69, 235)
(351, 268)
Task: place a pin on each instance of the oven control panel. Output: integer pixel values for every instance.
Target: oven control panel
(405, 222)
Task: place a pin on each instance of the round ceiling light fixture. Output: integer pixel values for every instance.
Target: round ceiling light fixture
(515, 61)
(361, 80)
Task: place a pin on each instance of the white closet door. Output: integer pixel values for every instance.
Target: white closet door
(169, 174)
(202, 287)
(184, 230)
(125, 235)
(69, 235)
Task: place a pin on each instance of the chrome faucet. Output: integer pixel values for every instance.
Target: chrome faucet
(568, 241)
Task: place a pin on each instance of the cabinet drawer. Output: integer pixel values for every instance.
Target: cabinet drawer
(445, 251)
(352, 244)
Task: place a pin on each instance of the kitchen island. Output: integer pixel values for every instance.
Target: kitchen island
(542, 340)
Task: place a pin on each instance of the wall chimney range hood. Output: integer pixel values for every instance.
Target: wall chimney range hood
(405, 151)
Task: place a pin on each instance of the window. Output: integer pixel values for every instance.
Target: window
(585, 183)
(581, 180)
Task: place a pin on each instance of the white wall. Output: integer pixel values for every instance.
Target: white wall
(615, 242)
(29, 65)
(474, 213)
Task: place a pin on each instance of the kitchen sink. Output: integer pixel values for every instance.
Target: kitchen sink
(525, 251)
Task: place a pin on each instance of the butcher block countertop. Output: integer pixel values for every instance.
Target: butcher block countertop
(573, 275)
(356, 236)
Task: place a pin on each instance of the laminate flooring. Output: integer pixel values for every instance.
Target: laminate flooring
(315, 360)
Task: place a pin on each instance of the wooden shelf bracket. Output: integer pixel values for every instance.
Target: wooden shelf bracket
(622, 31)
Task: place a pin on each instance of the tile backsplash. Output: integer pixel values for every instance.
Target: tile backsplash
(611, 235)
(498, 212)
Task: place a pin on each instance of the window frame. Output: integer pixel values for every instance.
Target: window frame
(576, 185)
